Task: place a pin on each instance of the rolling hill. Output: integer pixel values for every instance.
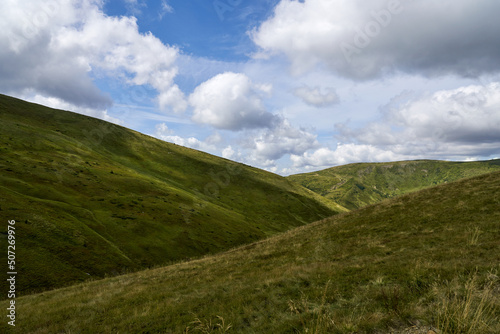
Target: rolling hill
(92, 199)
(356, 185)
(429, 259)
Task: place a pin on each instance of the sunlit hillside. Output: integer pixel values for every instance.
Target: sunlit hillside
(92, 199)
(424, 261)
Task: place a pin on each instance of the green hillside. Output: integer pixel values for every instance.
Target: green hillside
(357, 185)
(92, 198)
(424, 260)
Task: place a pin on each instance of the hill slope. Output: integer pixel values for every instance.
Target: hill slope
(429, 258)
(92, 198)
(360, 184)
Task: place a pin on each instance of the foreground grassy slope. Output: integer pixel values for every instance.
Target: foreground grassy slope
(357, 185)
(92, 198)
(429, 258)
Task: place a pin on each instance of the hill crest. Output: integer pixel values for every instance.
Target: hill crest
(359, 184)
(93, 198)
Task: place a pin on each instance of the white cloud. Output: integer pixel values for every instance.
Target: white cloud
(265, 88)
(343, 154)
(214, 139)
(456, 124)
(362, 40)
(57, 48)
(55, 51)
(230, 101)
(172, 96)
(165, 9)
(468, 114)
(135, 6)
(164, 133)
(283, 139)
(228, 152)
(460, 124)
(314, 96)
(56, 103)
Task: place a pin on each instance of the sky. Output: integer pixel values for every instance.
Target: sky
(287, 86)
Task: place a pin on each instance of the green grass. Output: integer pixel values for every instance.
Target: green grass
(467, 307)
(360, 184)
(93, 199)
(429, 259)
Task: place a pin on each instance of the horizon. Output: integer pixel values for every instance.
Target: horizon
(305, 172)
(285, 86)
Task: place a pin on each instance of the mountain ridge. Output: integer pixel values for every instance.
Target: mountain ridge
(92, 198)
(359, 184)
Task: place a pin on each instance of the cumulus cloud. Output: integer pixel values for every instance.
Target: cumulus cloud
(272, 144)
(230, 101)
(468, 114)
(228, 152)
(57, 48)
(314, 97)
(363, 40)
(57, 103)
(343, 154)
(458, 123)
(171, 96)
(164, 133)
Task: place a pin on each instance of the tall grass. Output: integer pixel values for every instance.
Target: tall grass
(208, 326)
(467, 308)
(314, 319)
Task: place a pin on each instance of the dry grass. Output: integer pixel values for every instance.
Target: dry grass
(467, 308)
(208, 326)
(474, 235)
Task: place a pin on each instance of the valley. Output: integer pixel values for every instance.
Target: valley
(119, 232)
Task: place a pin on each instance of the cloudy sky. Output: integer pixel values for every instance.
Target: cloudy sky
(289, 86)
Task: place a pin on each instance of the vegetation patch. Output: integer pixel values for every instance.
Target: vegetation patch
(92, 199)
(360, 184)
(413, 264)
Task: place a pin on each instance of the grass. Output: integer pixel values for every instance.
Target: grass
(217, 325)
(467, 307)
(403, 263)
(360, 184)
(92, 199)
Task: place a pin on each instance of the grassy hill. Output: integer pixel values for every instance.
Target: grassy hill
(92, 198)
(428, 259)
(357, 185)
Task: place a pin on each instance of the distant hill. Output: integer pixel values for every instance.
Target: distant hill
(356, 185)
(421, 261)
(91, 198)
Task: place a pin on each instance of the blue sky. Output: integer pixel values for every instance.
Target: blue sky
(212, 29)
(288, 86)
